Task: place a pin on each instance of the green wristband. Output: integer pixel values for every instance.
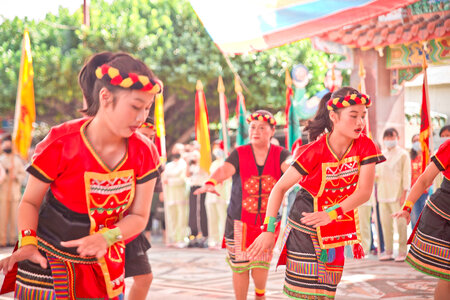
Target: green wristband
(270, 221)
(111, 235)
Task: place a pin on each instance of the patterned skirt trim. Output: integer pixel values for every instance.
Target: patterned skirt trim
(430, 255)
(306, 276)
(237, 255)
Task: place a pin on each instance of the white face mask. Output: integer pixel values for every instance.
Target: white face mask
(438, 141)
(416, 146)
(390, 143)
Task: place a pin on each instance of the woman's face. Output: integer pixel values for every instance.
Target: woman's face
(350, 121)
(260, 132)
(148, 132)
(128, 111)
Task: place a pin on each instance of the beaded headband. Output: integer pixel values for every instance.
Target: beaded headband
(128, 80)
(147, 125)
(261, 117)
(346, 101)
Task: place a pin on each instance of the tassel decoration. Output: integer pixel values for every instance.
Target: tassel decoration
(331, 255)
(323, 256)
(358, 251)
(348, 251)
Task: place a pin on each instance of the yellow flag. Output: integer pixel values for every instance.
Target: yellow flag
(160, 139)
(25, 113)
(202, 128)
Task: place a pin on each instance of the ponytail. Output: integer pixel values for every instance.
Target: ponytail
(321, 121)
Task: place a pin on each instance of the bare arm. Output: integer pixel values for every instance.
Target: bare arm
(132, 224)
(359, 196)
(422, 183)
(28, 219)
(266, 240)
(220, 175)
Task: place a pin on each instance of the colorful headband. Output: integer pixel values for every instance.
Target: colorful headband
(147, 125)
(261, 117)
(346, 101)
(128, 81)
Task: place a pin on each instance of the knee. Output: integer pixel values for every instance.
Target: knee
(144, 280)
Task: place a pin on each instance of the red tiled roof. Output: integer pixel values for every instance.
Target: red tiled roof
(372, 33)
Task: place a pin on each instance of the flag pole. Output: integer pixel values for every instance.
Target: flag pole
(223, 117)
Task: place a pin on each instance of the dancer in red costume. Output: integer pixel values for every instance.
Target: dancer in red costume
(336, 173)
(89, 189)
(430, 246)
(255, 169)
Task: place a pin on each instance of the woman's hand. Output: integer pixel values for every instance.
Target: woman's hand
(265, 241)
(29, 252)
(92, 245)
(207, 188)
(402, 214)
(316, 219)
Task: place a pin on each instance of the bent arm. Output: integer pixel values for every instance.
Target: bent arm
(31, 202)
(289, 178)
(135, 222)
(364, 189)
(423, 182)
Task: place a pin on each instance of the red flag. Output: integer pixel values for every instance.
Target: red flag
(289, 95)
(425, 122)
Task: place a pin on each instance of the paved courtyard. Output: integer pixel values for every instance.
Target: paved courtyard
(190, 274)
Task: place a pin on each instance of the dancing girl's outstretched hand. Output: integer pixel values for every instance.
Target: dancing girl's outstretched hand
(402, 214)
(207, 188)
(29, 252)
(265, 241)
(91, 245)
(316, 219)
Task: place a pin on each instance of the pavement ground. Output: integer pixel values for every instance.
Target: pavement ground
(191, 274)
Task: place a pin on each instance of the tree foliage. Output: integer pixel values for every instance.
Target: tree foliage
(168, 36)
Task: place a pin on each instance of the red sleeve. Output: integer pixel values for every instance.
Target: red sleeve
(46, 162)
(307, 159)
(442, 157)
(369, 152)
(149, 164)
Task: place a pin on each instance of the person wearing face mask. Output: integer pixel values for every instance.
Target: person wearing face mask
(393, 182)
(416, 170)
(216, 205)
(10, 186)
(175, 198)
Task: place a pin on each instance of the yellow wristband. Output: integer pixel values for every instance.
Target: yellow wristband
(333, 214)
(111, 236)
(28, 240)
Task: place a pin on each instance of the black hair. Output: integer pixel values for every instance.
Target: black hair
(445, 128)
(390, 132)
(321, 120)
(90, 85)
(7, 137)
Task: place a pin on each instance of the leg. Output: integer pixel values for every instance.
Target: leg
(442, 290)
(260, 279)
(387, 226)
(3, 216)
(203, 216)
(402, 234)
(140, 287)
(364, 224)
(193, 212)
(240, 284)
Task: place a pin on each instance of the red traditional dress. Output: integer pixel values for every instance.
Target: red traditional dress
(85, 195)
(250, 191)
(430, 247)
(312, 272)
